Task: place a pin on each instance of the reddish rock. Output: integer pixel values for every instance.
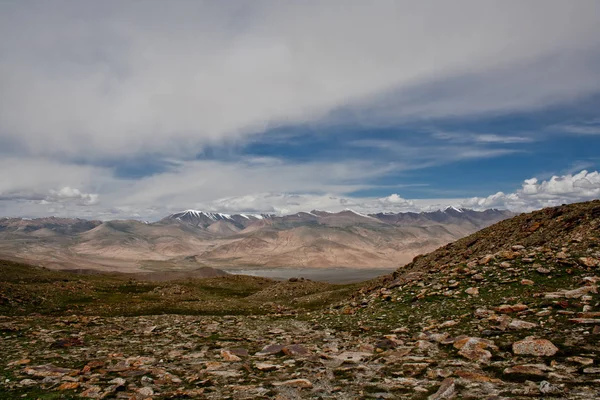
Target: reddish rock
(508, 308)
(474, 348)
(296, 350)
(229, 356)
(534, 347)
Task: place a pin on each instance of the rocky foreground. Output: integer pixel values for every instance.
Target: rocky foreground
(512, 312)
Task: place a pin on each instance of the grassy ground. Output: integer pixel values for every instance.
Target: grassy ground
(26, 289)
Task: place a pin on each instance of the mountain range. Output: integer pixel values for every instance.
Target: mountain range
(191, 239)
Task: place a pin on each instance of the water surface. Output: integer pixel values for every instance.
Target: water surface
(330, 275)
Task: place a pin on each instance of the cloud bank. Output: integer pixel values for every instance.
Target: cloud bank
(113, 79)
(535, 194)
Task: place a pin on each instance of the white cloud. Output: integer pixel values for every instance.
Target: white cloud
(535, 194)
(71, 194)
(480, 138)
(120, 78)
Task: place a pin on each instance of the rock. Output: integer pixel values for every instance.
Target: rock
(385, 344)
(508, 308)
(352, 356)
(27, 382)
(581, 360)
(474, 348)
(447, 324)
(548, 388)
(92, 392)
(146, 391)
(518, 324)
(543, 270)
(296, 383)
(589, 261)
(240, 352)
(69, 386)
(534, 347)
(591, 370)
(527, 282)
(447, 390)
(473, 291)
(229, 356)
(585, 321)
(517, 247)
(270, 350)
(577, 293)
(265, 366)
(296, 350)
(486, 259)
(118, 382)
(530, 371)
(482, 313)
(48, 370)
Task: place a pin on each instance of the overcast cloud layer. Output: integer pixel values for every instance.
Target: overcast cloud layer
(87, 86)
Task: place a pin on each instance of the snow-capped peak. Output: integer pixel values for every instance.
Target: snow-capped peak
(209, 215)
(359, 214)
(460, 210)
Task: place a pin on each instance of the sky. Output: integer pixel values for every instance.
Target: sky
(116, 109)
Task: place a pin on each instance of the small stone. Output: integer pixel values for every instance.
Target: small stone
(269, 350)
(296, 383)
(590, 321)
(486, 259)
(93, 392)
(543, 270)
(548, 388)
(478, 277)
(517, 247)
(534, 347)
(265, 366)
(118, 382)
(28, 382)
(296, 350)
(526, 370)
(146, 391)
(482, 313)
(581, 360)
(591, 370)
(229, 356)
(385, 344)
(518, 324)
(447, 390)
(508, 308)
(589, 261)
(474, 348)
(69, 386)
(473, 291)
(527, 282)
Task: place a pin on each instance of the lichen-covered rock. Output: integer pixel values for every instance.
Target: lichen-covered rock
(534, 347)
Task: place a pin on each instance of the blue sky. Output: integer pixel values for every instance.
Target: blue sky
(124, 110)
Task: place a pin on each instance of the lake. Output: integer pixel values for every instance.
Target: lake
(330, 275)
